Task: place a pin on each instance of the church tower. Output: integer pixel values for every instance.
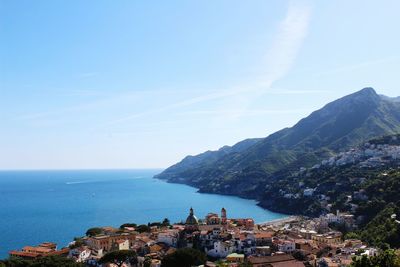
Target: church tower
(223, 216)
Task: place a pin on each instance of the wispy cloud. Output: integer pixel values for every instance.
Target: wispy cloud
(279, 59)
(288, 41)
(231, 102)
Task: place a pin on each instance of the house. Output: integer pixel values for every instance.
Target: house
(121, 244)
(80, 254)
(235, 257)
(286, 246)
(308, 192)
(280, 260)
(221, 249)
(328, 238)
(101, 244)
(263, 251)
(264, 238)
(44, 249)
(169, 237)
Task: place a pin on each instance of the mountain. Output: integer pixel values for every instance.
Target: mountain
(243, 168)
(190, 163)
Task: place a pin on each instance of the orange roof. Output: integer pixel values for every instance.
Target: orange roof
(60, 252)
(155, 248)
(36, 249)
(264, 234)
(23, 254)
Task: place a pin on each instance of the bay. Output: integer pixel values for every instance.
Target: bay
(38, 206)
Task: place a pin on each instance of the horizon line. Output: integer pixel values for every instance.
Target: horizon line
(83, 169)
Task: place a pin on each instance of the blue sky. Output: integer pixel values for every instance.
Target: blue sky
(141, 84)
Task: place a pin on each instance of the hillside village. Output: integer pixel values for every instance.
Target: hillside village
(343, 181)
(290, 242)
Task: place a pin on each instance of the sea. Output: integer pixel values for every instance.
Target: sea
(56, 206)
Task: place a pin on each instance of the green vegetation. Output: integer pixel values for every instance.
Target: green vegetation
(78, 242)
(143, 228)
(387, 258)
(251, 166)
(134, 225)
(185, 257)
(383, 230)
(268, 169)
(166, 222)
(50, 261)
(94, 231)
(119, 257)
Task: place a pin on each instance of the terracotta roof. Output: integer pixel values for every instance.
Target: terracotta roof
(264, 234)
(155, 248)
(59, 252)
(36, 249)
(23, 254)
(288, 264)
(271, 259)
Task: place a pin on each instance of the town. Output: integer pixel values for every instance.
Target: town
(291, 242)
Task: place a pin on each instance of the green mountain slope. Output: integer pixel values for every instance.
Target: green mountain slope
(336, 127)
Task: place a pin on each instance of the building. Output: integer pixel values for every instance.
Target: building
(286, 246)
(169, 237)
(80, 254)
(221, 249)
(328, 238)
(280, 260)
(102, 244)
(235, 257)
(42, 250)
(212, 219)
(192, 223)
(224, 219)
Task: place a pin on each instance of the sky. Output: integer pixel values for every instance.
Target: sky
(141, 84)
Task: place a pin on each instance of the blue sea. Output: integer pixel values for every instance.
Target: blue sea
(37, 206)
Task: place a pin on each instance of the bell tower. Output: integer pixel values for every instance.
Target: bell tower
(223, 216)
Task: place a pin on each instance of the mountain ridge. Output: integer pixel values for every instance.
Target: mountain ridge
(335, 127)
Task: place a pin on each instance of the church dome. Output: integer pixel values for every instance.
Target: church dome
(192, 219)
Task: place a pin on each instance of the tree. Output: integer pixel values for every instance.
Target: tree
(185, 257)
(142, 228)
(49, 261)
(119, 257)
(78, 242)
(147, 262)
(128, 225)
(94, 231)
(166, 222)
(387, 258)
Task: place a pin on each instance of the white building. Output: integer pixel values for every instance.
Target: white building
(308, 192)
(286, 246)
(80, 254)
(168, 237)
(221, 249)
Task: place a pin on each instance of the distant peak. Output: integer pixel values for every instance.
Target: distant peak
(365, 93)
(367, 90)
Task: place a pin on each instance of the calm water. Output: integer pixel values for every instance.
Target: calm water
(37, 206)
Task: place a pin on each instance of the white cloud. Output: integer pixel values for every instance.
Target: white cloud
(287, 43)
(280, 58)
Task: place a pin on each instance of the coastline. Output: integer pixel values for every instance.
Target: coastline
(258, 203)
